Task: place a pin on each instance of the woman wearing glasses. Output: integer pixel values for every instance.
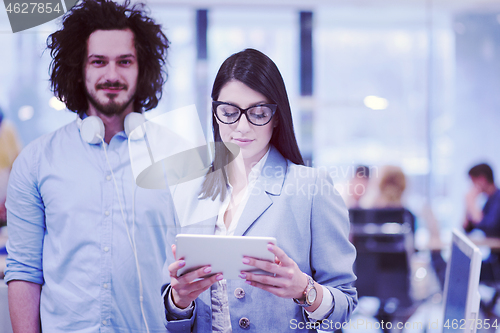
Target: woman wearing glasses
(265, 191)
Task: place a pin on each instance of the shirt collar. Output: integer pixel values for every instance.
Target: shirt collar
(80, 118)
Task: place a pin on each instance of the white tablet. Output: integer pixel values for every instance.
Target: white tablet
(223, 253)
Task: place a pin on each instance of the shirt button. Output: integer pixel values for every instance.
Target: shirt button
(104, 322)
(244, 322)
(105, 286)
(108, 177)
(106, 249)
(239, 293)
(106, 213)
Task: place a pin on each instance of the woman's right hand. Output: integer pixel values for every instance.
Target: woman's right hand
(184, 288)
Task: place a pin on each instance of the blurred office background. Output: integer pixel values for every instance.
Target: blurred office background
(412, 83)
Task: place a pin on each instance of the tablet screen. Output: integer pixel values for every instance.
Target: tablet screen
(223, 253)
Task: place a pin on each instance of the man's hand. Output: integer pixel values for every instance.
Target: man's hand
(473, 213)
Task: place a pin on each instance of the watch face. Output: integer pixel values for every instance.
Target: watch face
(311, 296)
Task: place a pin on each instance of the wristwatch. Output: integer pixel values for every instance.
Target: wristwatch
(309, 295)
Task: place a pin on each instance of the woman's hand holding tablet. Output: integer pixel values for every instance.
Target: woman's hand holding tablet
(186, 288)
(223, 254)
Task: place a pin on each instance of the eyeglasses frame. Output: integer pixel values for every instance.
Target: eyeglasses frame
(215, 104)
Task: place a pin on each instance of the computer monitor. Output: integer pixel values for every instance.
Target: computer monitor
(461, 295)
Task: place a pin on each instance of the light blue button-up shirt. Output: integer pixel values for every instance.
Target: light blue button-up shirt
(66, 232)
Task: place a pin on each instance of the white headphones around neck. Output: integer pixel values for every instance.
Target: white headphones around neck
(92, 127)
(92, 132)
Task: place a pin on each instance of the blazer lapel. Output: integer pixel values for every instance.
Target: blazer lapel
(269, 184)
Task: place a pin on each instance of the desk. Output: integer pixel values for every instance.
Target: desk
(491, 242)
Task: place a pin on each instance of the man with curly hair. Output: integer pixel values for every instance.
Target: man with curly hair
(86, 245)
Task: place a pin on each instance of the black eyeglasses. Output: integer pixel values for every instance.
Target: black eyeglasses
(258, 115)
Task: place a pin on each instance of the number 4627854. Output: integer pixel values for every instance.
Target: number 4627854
(33, 7)
(479, 323)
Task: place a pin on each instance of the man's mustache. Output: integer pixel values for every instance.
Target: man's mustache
(108, 84)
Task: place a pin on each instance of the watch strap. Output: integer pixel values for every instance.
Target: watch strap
(310, 285)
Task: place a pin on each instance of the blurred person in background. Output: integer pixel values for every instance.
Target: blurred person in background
(486, 219)
(357, 187)
(392, 185)
(10, 147)
(391, 188)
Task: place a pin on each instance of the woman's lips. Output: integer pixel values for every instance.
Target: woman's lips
(242, 142)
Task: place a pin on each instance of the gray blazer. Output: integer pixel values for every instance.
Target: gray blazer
(300, 207)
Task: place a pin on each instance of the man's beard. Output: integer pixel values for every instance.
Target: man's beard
(111, 108)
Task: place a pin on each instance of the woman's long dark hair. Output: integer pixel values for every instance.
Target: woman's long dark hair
(68, 48)
(260, 73)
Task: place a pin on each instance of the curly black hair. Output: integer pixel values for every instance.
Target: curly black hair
(68, 48)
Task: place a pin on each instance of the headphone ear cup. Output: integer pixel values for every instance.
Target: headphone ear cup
(131, 122)
(92, 130)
